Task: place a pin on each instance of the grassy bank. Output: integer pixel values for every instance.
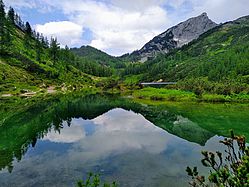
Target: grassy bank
(162, 94)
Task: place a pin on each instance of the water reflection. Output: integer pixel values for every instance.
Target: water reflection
(59, 141)
(124, 146)
(68, 134)
(116, 131)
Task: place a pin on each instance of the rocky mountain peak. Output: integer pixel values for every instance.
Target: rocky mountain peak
(176, 36)
(204, 14)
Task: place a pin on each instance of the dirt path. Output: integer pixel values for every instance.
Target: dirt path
(28, 94)
(6, 95)
(51, 89)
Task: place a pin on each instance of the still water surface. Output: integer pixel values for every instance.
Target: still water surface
(106, 136)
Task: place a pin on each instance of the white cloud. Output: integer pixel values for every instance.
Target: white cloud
(67, 33)
(120, 26)
(125, 31)
(218, 10)
(222, 10)
(20, 3)
(117, 26)
(137, 5)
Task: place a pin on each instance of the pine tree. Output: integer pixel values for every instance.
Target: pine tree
(38, 48)
(28, 29)
(66, 55)
(26, 41)
(2, 25)
(11, 15)
(7, 36)
(2, 10)
(54, 49)
(66, 48)
(27, 36)
(44, 41)
(5, 27)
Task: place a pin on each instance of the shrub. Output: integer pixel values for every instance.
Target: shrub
(230, 171)
(93, 180)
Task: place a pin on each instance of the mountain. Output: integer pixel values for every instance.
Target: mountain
(175, 37)
(97, 56)
(217, 61)
(195, 50)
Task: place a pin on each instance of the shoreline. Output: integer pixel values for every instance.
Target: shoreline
(152, 95)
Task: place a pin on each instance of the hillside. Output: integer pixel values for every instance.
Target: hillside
(29, 62)
(217, 61)
(98, 56)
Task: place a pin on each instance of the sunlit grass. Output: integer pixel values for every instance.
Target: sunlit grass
(163, 94)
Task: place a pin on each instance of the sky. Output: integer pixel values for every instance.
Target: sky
(118, 26)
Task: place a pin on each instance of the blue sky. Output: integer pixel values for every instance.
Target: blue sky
(118, 26)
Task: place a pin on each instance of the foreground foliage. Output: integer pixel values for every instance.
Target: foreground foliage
(231, 171)
(93, 180)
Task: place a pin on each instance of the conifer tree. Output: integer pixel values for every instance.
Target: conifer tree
(46, 42)
(38, 49)
(5, 27)
(28, 29)
(11, 15)
(2, 25)
(27, 36)
(54, 49)
(2, 10)
(7, 35)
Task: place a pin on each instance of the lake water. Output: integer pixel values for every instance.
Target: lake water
(56, 142)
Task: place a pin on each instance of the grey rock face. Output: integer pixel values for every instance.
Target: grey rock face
(176, 36)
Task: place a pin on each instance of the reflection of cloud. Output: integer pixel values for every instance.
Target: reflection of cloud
(122, 120)
(67, 134)
(116, 132)
(122, 142)
(120, 131)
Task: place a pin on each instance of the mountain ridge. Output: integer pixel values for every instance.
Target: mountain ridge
(174, 37)
(217, 62)
(98, 56)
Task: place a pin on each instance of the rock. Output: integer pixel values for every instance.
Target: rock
(175, 37)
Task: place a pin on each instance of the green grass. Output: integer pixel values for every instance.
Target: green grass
(132, 79)
(163, 94)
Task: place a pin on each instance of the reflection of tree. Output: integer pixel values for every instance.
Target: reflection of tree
(24, 128)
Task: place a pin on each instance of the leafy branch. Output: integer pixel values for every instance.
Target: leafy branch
(93, 180)
(230, 170)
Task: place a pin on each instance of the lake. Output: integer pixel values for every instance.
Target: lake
(57, 141)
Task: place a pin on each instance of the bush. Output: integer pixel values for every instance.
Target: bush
(93, 180)
(231, 171)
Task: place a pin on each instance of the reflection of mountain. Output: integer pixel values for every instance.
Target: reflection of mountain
(181, 127)
(23, 128)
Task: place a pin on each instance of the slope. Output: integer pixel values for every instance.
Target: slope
(28, 61)
(220, 55)
(98, 56)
